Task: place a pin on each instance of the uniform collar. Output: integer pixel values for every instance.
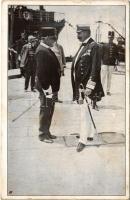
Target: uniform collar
(85, 41)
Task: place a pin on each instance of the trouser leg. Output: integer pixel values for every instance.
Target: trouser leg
(103, 74)
(87, 129)
(51, 113)
(109, 77)
(46, 113)
(22, 71)
(73, 86)
(32, 80)
(27, 78)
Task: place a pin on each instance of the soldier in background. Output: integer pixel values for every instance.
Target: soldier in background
(121, 49)
(109, 59)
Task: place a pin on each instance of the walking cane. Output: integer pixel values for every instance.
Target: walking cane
(25, 111)
(81, 89)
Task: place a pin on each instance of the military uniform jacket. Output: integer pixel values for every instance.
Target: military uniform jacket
(86, 70)
(47, 68)
(109, 54)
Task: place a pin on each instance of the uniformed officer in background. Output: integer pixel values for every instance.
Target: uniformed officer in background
(109, 60)
(48, 73)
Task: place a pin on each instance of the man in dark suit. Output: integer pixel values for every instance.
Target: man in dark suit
(48, 81)
(86, 71)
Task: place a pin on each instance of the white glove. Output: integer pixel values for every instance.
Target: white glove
(88, 91)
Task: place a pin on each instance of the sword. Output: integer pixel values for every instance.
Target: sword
(81, 89)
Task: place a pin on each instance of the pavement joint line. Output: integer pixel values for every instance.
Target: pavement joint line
(58, 146)
(69, 147)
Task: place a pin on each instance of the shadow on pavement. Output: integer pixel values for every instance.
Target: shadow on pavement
(102, 138)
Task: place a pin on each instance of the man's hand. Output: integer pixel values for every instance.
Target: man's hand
(88, 91)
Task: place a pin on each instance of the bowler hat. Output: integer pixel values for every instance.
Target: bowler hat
(47, 31)
(111, 34)
(82, 27)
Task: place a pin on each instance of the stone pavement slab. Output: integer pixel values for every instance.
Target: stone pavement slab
(38, 168)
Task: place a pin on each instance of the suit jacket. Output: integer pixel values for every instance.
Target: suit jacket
(24, 55)
(47, 68)
(86, 70)
(26, 61)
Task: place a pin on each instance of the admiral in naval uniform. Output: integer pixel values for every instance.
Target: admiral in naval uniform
(86, 70)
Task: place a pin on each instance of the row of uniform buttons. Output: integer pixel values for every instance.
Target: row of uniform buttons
(111, 51)
(82, 69)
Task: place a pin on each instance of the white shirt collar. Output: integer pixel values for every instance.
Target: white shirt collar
(44, 45)
(85, 41)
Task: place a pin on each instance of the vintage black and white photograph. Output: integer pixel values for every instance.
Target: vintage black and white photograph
(66, 100)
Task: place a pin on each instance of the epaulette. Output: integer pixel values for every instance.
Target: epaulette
(92, 44)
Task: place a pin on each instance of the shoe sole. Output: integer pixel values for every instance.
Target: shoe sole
(53, 138)
(47, 141)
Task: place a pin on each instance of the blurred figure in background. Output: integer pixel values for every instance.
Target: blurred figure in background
(28, 62)
(59, 52)
(18, 47)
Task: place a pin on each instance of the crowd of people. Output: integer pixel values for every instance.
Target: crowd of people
(43, 61)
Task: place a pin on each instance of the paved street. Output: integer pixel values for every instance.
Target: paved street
(38, 168)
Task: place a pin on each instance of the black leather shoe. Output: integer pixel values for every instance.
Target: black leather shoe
(74, 99)
(80, 147)
(45, 138)
(90, 138)
(41, 136)
(51, 136)
(33, 90)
